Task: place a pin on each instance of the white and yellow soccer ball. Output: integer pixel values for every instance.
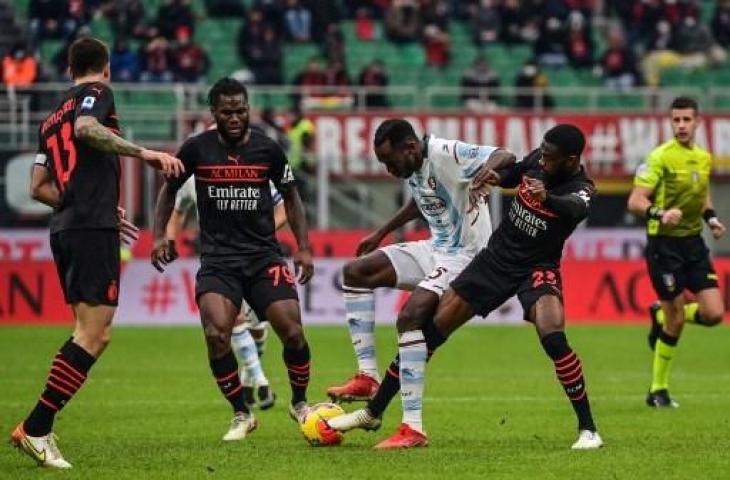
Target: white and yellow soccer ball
(314, 435)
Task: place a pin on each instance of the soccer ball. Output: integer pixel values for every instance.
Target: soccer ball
(321, 411)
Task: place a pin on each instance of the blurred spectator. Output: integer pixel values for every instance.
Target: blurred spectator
(189, 61)
(485, 22)
(323, 15)
(662, 38)
(402, 21)
(272, 11)
(49, 19)
(365, 27)
(519, 24)
(126, 17)
(478, 84)
(124, 63)
(273, 128)
(646, 15)
(19, 67)
(301, 156)
(156, 61)
(311, 76)
(174, 14)
(60, 59)
(225, 8)
(721, 23)
(264, 56)
(298, 22)
(333, 44)
(251, 34)
(694, 48)
(435, 12)
(550, 45)
(531, 77)
(374, 75)
(335, 76)
(618, 64)
(437, 46)
(579, 46)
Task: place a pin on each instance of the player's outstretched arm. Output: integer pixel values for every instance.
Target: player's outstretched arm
(42, 187)
(298, 223)
(405, 214)
(163, 251)
(573, 205)
(640, 204)
(87, 129)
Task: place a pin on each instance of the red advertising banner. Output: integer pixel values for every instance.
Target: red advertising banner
(595, 292)
(616, 144)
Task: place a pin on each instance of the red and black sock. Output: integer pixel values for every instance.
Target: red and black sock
(68, 372)
(569, 370)
(225, 371)
(297, 365)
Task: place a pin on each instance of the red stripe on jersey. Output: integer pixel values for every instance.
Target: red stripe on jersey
(233, 167)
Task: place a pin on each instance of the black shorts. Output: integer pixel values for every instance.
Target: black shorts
(260, 281)
(88, 265)
(679, 263)
(485, 284)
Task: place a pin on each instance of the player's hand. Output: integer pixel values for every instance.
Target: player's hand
(672, 217)
(128, 232)
(716, 227)
(485, 176)
(166, 163)
(303, 266)
(164, 252)
(536, 189)
(368, 244)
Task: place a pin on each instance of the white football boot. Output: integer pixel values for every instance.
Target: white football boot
(299, 411)
(241, 425)
(41, 449)
(587, 440)
(358, 419)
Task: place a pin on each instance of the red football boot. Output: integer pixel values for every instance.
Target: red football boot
(361, 387)
(405, 437)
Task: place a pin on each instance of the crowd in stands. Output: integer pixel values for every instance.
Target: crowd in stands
(641, 38)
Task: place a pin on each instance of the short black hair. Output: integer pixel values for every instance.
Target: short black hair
(87, 55)
(395, 130)
(684, 102)
(226, 86)
(568, 138)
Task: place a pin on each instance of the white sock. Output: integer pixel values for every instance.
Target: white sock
(244, 346)
(360, 311)
(413, 354)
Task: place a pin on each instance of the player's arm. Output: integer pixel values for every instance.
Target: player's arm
(280, 219)
(42, 187)
(511, 175)
(294, 209)
(405, 214)
(710, 217)
(648, 176)
(174, 224)
(573, 206)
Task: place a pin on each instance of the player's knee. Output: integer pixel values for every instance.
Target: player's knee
(218, 340)
(712, 318)
(292, 337)
(354, 275)
(409, 319)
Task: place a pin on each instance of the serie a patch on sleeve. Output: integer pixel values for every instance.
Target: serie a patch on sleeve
(88, 103)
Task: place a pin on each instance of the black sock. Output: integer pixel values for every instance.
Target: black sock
(297, 365)
(569, 370)
(225, 371)
(68, 372)
(389, 387)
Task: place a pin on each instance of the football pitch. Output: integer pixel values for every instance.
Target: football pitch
(493, 409)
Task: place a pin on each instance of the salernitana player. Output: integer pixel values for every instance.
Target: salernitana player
(672, 191)
(240, 256)
(76, 172)
(522, 258)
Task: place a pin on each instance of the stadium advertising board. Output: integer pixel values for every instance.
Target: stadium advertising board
(617, 144)
(595, 291)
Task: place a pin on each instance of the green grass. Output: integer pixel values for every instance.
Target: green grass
(493, 410)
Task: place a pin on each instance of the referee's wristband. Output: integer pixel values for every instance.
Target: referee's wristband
(709, 214)
(654, 212)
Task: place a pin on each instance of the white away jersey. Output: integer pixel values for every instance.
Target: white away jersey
(441, 191)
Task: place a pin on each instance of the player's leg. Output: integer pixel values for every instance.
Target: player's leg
(546, 313)
(217, 315)
(709, 308)
(252, 372)
(391, 266)
(90, 279)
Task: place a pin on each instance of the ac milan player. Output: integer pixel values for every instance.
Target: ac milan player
(77, 173)
(240, 257)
